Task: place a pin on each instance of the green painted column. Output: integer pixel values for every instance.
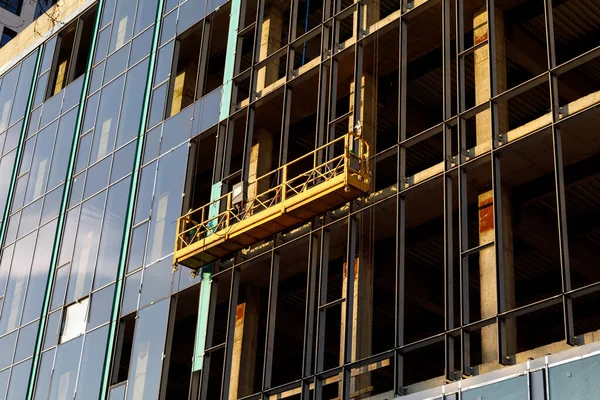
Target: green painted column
(63, 208)
(18, 156)
(202, 324)
(216, 190)
(130, 207)
(234, 21)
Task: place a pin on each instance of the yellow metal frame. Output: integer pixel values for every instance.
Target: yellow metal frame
(202, 238)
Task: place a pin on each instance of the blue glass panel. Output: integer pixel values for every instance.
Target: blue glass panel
(62, 149)
(577, 380)
(22, 94)
(152, 143)
(156, 282)
(146, 355)
(163, 66)
(12, 137)
(211, 5)
(83, 152)
(166, 205)
(52, 329)
(51, 205)
(170, 4)
(19, 195)
(91, 107)
(97, 177)
(7, 95)
(157, 107)
(108, 12)
(510, 389)
(60, 286)
(77, 186)
(43, 380)
(72, 94)
(101, 307)
(117, 392)
(102, 45)
(138, 246)
(27, 155)
(30, 217)
(65, 370)
(17, 282)
(5, 262)
(144, 195)
(141, 47)
(34, 121)
(133, 100)
(92, 362)
(146, 14)
(13, 225)
(122, 24)
(106, 124)
(6, 167)
(19, 379)
(48, 54)
(4, 381)
(39, 273)
(169, 28)
(131, 293)
(97, 77)
(112, 234)
(40, 89)
(116, 63)
(123, 162)
(26, 341)
(51, 109)
(86, 246)
(190, 12)
(40, 165)
(177, 130)
(208, 115)
(7, 348)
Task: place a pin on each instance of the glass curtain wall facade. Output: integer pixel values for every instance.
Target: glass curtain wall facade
(473, 248)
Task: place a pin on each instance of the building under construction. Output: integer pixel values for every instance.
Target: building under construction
(301, 199)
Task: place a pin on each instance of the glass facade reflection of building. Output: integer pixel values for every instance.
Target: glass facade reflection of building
(364, 200)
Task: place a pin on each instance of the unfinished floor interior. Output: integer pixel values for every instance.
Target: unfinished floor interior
(477, 244)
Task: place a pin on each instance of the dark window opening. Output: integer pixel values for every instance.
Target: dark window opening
(122, 359)
(179, 367)
(14, 6)
(200, 169)
(7, 36)
(43, 6)
(199, 61)
(72, 53)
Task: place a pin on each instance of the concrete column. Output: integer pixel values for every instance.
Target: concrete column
(245, 334)
(482, 73)
(362, 310)
(362, 316)
(260, 163)
(487, 260)
(270, 41)
(487, 274)
(183, 89)
(368, 108)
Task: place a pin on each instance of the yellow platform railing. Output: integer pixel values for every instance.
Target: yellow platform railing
(346, 156)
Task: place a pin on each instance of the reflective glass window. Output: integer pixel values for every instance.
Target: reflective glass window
(65, 370)
(86, 246)
(146, 355)
(92, 362)
(166, 204)
(112, 234)
(19, 379)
